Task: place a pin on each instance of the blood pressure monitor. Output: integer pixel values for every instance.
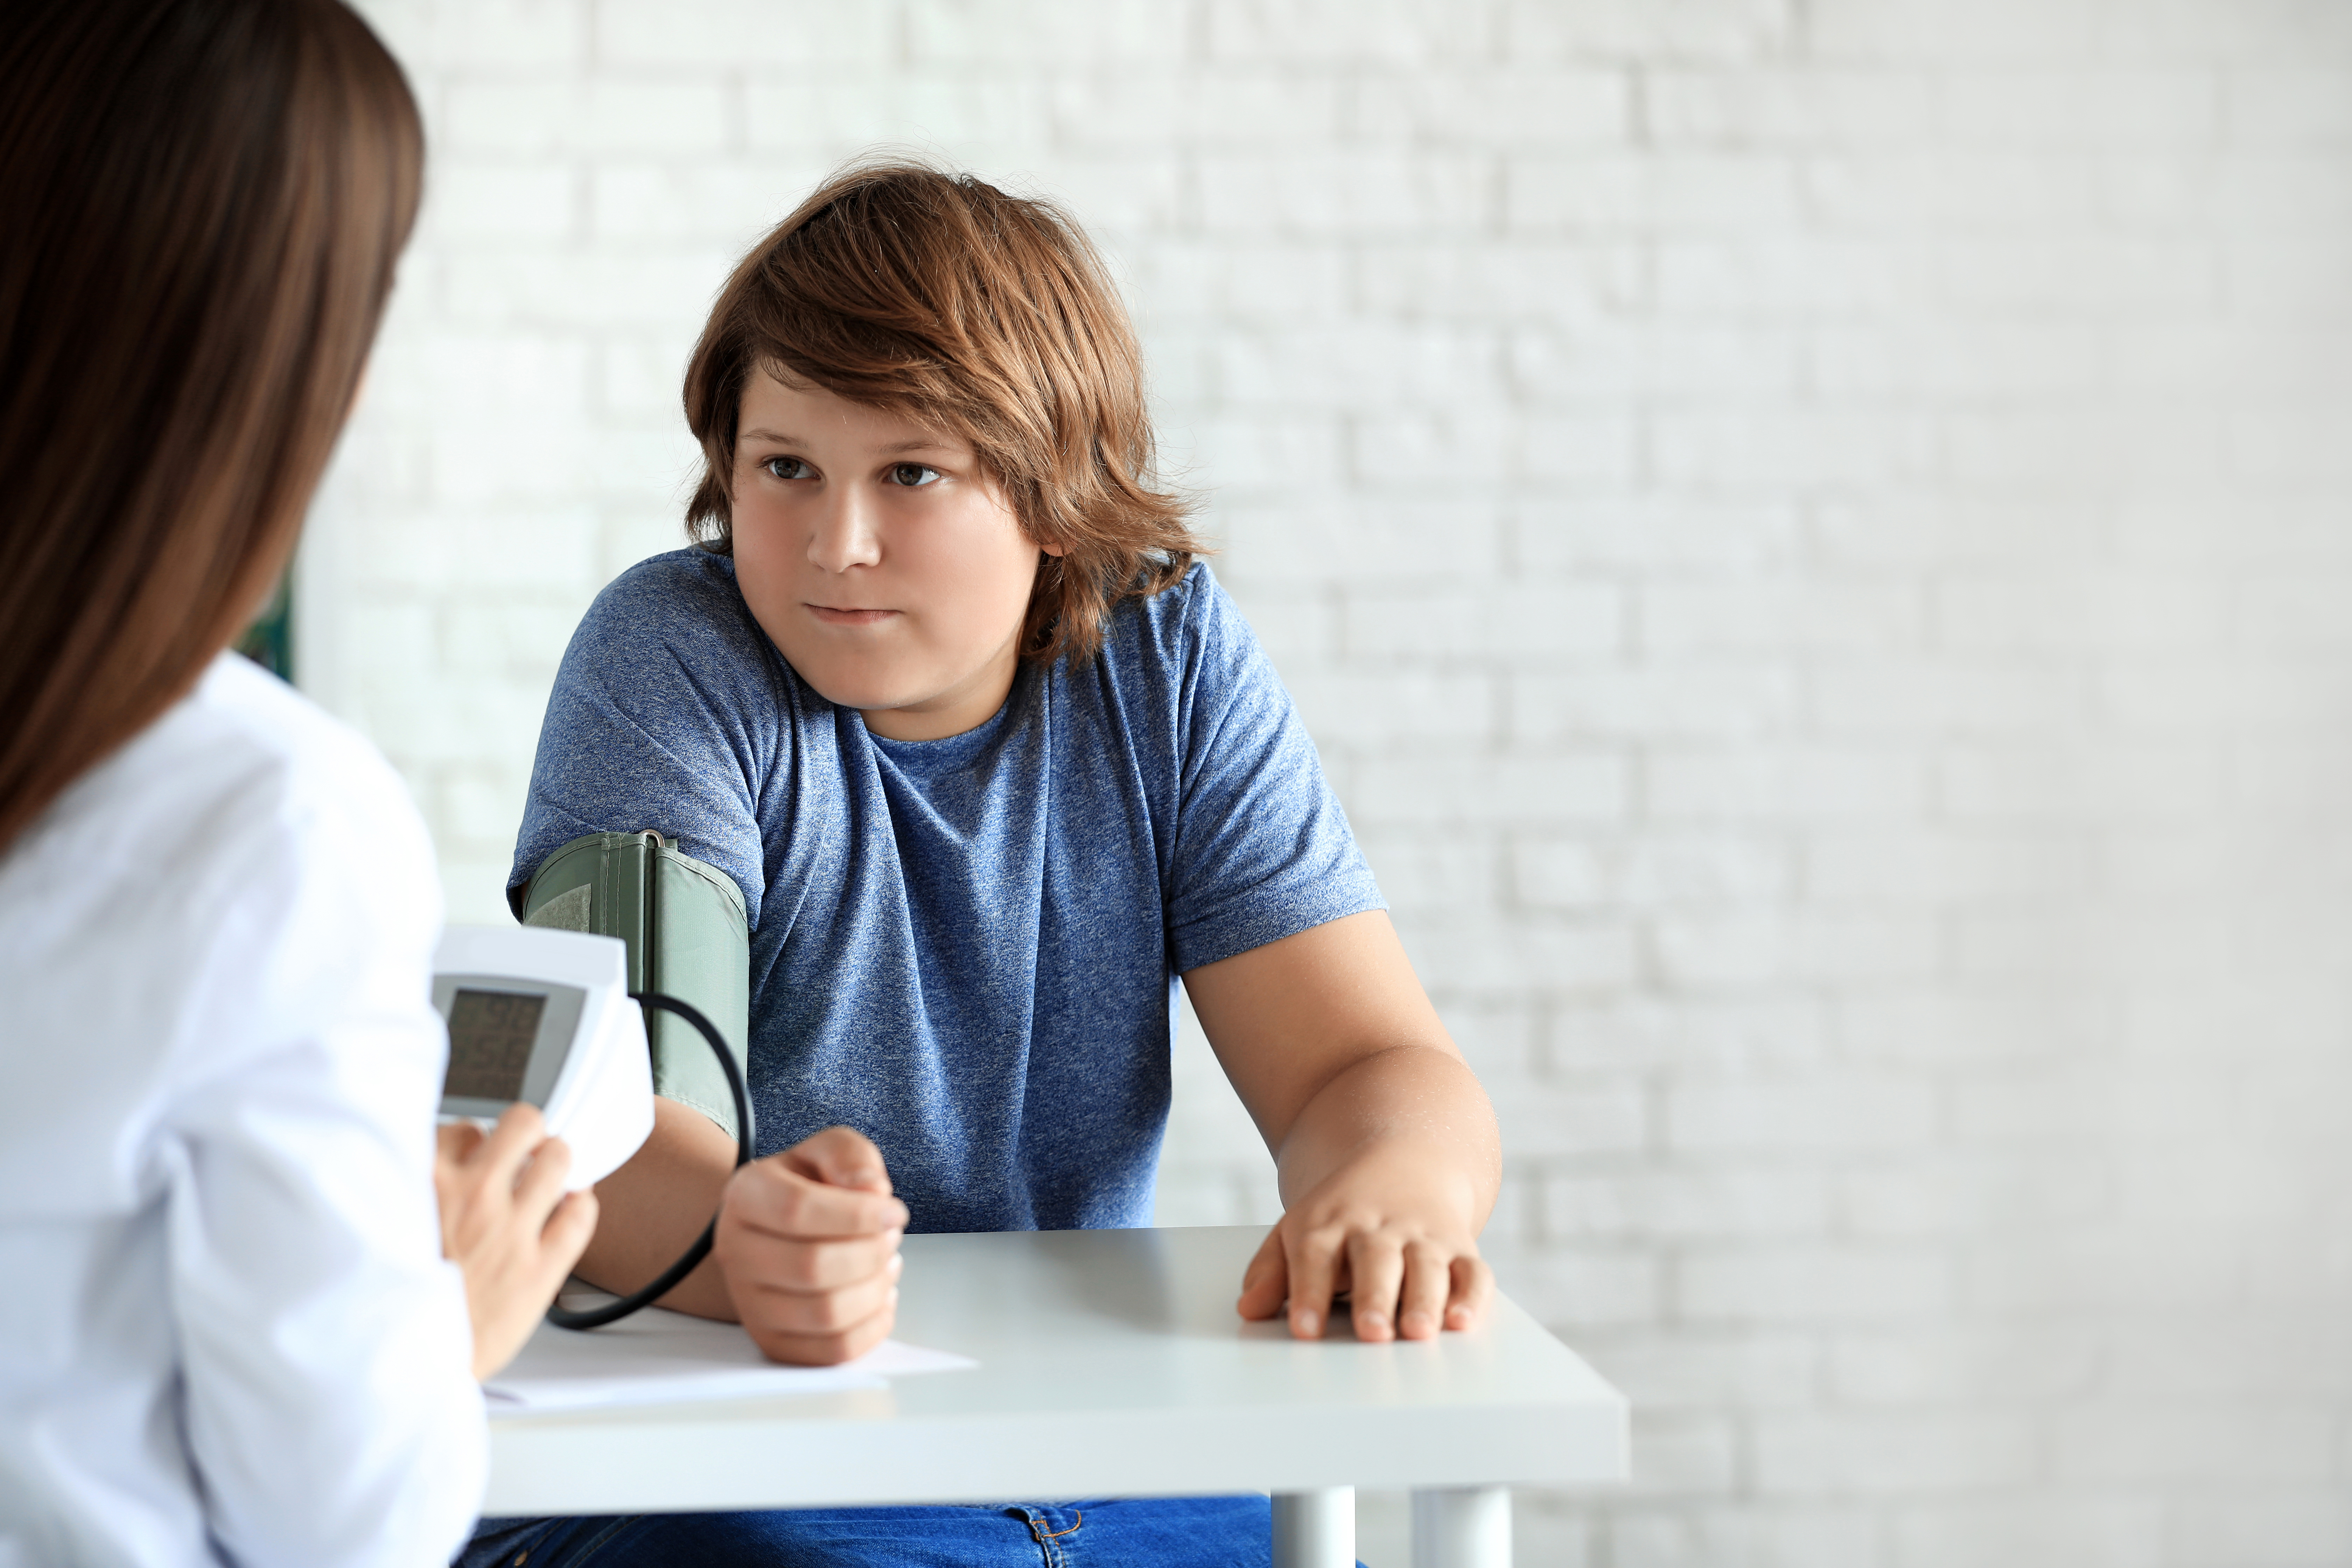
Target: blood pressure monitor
(550, 1012)
(545, 1016)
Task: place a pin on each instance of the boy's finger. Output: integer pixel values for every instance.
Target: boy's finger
(1420, 1310)
(1313, 1260)
(1473, 1291)
(769, 1196)
(806, 1267)
(1376, 1265)
(826, 1349)
(810, 1313)
(843, 1157)
(1266, 1279)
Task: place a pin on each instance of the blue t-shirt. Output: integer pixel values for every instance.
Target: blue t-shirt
(965, 948)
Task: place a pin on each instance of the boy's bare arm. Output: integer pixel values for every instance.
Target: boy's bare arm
(806, 1257)
(1385, 1144)
(653, 1207)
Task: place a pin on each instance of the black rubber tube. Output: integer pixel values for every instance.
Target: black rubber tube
(613, 1312)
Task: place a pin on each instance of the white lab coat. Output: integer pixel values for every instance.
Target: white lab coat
(226, 1329)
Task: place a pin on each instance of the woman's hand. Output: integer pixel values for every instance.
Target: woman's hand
(1380, 1227)
(809, 1242)
(508, 1225)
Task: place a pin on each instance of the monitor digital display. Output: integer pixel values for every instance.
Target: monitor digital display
(491, 1036)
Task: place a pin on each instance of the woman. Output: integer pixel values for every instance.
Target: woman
(228, 1328)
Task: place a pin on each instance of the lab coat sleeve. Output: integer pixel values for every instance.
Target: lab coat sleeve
(329, 1405)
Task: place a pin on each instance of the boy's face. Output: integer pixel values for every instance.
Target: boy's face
(880, 558)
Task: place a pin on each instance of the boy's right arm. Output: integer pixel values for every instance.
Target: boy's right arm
(665, 714)
(806, 1257)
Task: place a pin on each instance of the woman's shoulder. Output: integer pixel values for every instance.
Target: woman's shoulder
(273, 750)
(241, 792)
(241, 749)
(245, 828)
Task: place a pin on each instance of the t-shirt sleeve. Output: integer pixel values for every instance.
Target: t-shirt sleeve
(663, 717)
(1263, 850)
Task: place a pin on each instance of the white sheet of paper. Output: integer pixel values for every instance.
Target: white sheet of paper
(658, 1357)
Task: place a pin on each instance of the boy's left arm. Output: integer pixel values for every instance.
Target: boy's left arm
(1386, 1146)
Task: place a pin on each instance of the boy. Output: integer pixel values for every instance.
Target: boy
(1019, 764)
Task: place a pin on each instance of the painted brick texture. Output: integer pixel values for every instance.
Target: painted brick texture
(1814, 537)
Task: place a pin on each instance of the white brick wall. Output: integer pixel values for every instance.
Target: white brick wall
(1814, 535)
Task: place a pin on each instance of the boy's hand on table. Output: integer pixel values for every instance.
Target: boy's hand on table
(1385, 1145)
(507, 1224)
(1379, 1228)
(809, 1242)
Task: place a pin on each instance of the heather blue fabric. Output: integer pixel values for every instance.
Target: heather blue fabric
(963, 948)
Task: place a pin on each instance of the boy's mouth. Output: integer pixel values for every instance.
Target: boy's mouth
(835, 616)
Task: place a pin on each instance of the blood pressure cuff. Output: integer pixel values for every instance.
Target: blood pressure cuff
(683, 923)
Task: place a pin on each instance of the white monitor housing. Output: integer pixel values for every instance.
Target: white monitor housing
(545, 1016)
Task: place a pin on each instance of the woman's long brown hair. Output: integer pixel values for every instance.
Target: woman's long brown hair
(203, 202)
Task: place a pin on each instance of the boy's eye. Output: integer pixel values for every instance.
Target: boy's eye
(912, 474)
(787, 468)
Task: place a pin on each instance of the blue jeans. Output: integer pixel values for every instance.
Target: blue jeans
(1093, 1532)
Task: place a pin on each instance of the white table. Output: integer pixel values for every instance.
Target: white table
(1111, 1363)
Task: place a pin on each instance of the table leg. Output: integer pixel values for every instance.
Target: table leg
(1461, 1526)
(1314, 1530)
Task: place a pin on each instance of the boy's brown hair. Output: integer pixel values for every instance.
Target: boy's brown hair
(987, 317)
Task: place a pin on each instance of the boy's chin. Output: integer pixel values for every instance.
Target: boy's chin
(927, 695)
(844, 680)
(859, 689)
(860, 695)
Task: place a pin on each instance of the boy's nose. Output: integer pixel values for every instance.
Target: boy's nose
(844, 535)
